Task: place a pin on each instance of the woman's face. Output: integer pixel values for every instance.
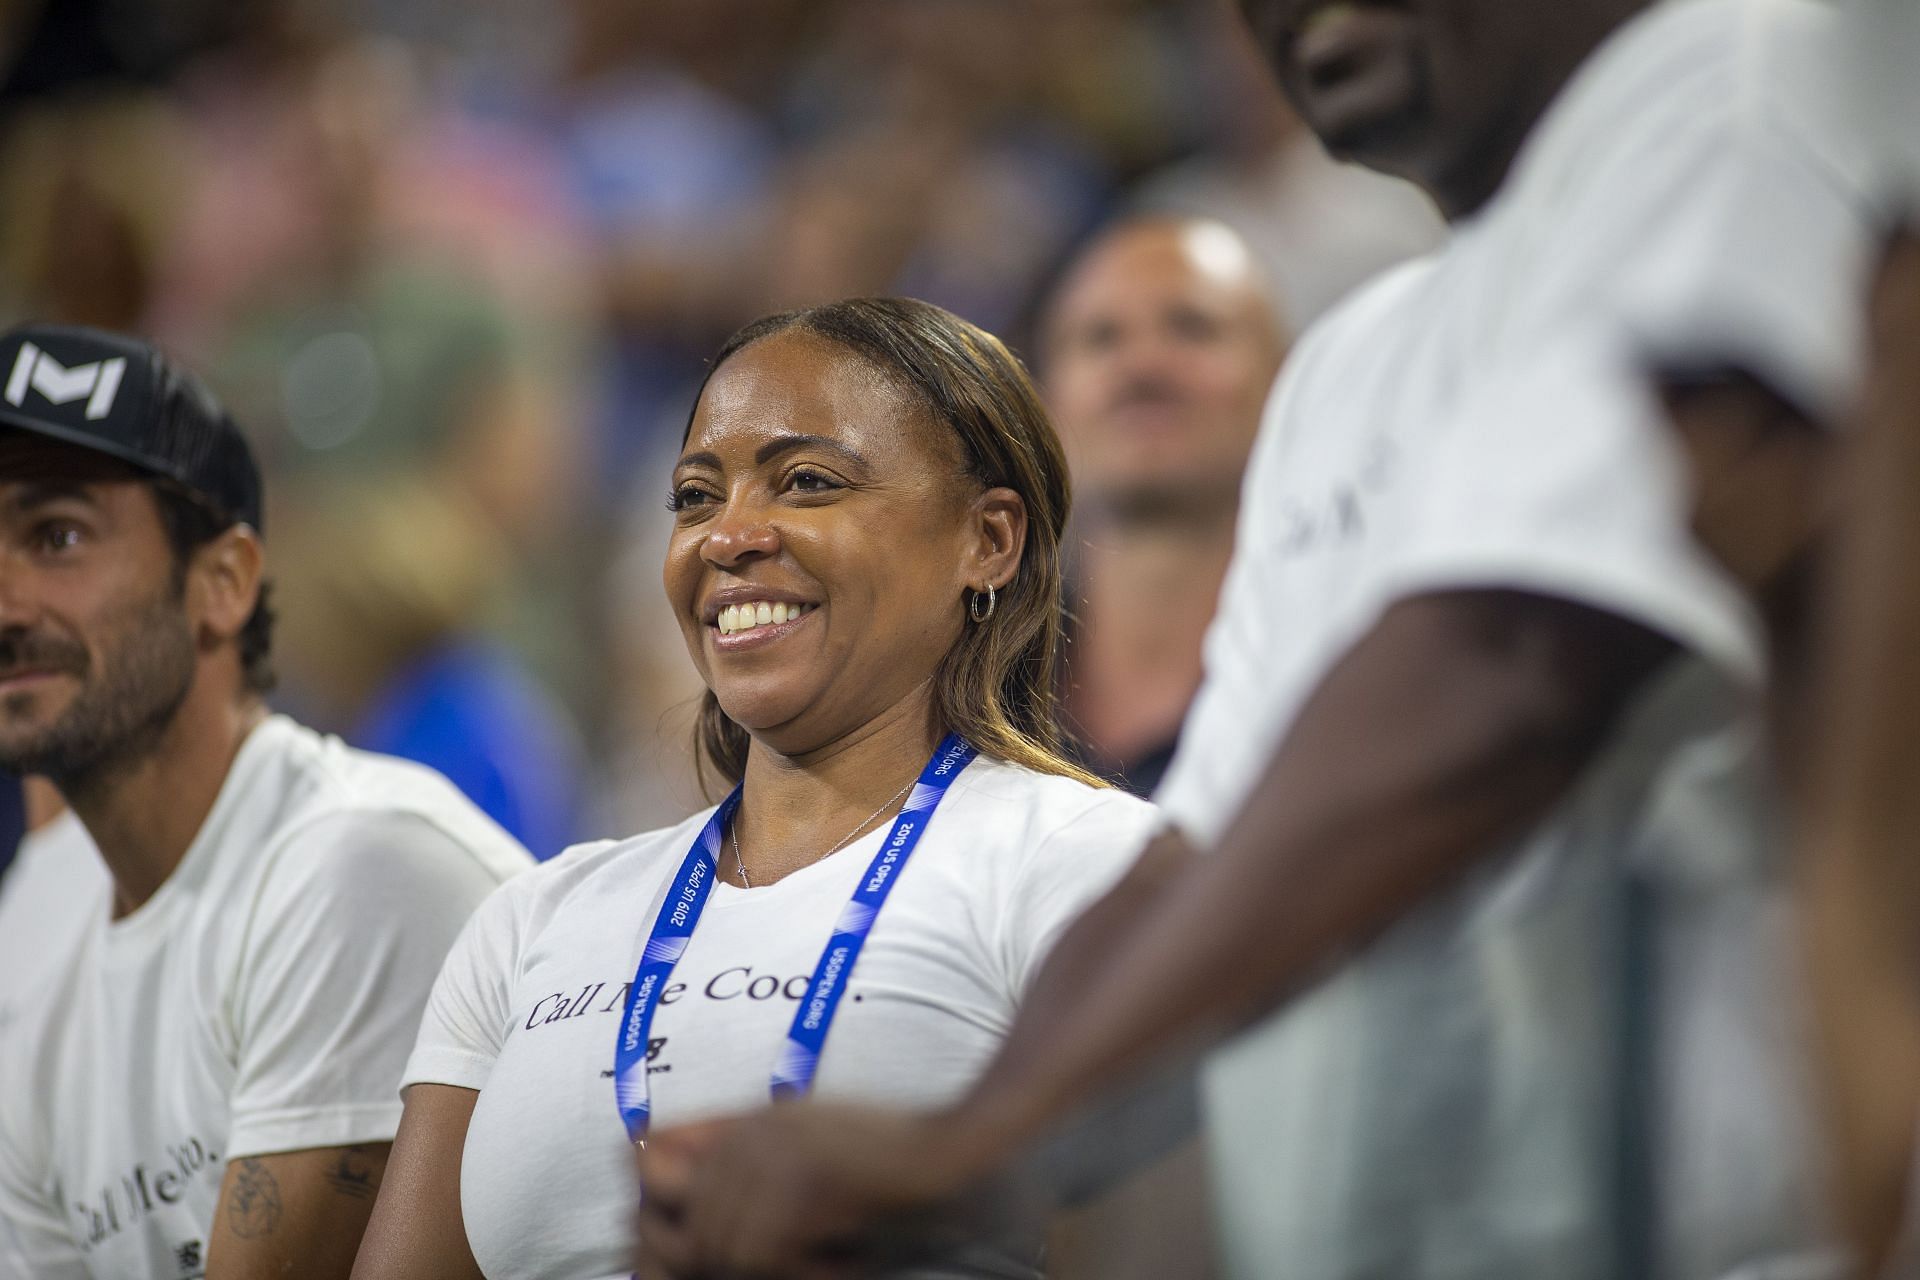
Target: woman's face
(825, 534)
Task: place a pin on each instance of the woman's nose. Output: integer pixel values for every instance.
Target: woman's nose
(740, 532)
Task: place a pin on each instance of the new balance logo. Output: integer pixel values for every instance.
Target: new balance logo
(99, 381)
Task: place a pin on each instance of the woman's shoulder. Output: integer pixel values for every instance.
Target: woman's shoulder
(1033, 808)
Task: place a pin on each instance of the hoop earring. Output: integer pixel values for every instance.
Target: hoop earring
(974, 610)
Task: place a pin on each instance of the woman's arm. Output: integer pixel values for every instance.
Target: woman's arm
(417, 1232)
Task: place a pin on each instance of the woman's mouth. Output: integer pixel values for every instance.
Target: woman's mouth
(752, 621)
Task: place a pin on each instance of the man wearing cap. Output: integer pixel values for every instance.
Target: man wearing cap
(207, 1084)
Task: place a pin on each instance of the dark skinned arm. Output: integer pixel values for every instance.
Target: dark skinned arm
(418, 1231)
(1450, 729)
(1860, 825)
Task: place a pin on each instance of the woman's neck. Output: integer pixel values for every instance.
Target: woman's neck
(795, 810)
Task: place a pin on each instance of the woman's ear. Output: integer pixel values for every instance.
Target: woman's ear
(226, 578)
(998, 519)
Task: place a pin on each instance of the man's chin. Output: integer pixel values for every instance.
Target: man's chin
(23, 756)
(36, 746)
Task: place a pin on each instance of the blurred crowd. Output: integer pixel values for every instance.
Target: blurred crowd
(457, 268)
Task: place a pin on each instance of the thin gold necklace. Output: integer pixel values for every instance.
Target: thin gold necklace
(733, 833)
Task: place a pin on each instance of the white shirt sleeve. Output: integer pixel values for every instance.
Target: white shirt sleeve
(1067, 872)
(467, 1015)
(1559, 474)
(353, 923)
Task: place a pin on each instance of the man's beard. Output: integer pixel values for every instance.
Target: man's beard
(124, 706)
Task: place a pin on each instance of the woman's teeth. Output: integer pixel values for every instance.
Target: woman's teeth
(736, 618)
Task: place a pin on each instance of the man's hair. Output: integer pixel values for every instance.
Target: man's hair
(190, 524)
(995, 687)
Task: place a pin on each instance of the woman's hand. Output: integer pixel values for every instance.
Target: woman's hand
(796, 1190)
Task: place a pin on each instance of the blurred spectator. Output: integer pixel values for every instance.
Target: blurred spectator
(89, 206)
(381, 322)
(392, 582)
(1158, 352)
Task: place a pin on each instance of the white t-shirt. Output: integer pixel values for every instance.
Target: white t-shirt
(530, 1001)
(48, 895)
(1450, 1104)
(1877, 80)
(262, 1000)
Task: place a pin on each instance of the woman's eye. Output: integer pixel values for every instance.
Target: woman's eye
(685, 496)
(807, 480)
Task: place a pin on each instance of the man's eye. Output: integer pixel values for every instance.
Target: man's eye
(59, 537)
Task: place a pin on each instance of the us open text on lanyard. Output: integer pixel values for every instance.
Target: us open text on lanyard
(673, 928)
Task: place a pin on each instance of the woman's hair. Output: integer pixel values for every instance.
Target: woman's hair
(995, 686)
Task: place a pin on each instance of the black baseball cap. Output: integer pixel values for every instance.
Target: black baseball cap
(122, 397)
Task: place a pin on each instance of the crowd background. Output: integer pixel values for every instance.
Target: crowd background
(456, 266)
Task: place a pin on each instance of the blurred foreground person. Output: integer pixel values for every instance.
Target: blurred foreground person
(1484, 812)
(865, 564)
(207, 1082)
(1159, 349)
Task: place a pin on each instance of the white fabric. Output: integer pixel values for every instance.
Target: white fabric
(1880, 82)
(1448, 1105)
(263, 999)
(53, 888)
(528, 1006)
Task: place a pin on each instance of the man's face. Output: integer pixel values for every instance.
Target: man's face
(1414, 88)
(1160, 349)
(96, 648)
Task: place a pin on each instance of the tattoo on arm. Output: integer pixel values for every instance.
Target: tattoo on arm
(254, 1208)
(353, 1174)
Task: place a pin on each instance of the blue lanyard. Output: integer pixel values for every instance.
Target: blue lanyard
(679, 914)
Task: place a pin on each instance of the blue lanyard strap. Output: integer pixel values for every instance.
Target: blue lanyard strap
(672, 929)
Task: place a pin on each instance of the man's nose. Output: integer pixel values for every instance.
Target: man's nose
(19, 600)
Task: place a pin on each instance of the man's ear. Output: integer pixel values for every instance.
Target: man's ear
(998, 520)
(224, 583)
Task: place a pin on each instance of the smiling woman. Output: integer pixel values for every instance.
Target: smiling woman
(865, 564)
(903, 431)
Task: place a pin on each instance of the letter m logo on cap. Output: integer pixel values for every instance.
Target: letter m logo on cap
(35, 369)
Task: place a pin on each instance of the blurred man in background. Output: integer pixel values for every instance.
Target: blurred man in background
(207, 1081)
(1158, 350)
